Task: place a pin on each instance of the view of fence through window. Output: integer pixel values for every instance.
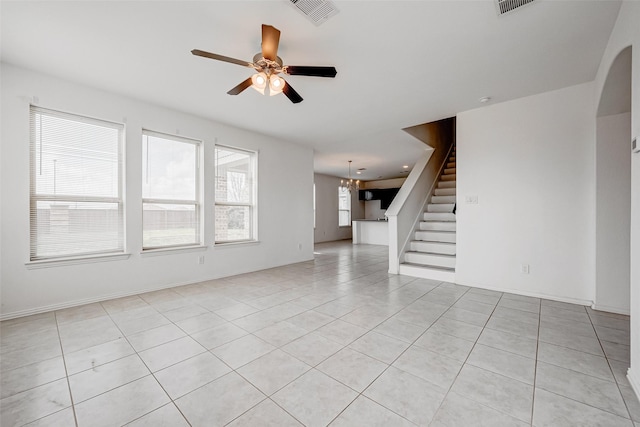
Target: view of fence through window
(170, 190)
(76, 185)
(234, 197)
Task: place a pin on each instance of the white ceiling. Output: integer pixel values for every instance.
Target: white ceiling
(400, 63)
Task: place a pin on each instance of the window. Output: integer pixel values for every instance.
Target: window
(235, 195)
(170, 191)
(76, 205)
(344, 207)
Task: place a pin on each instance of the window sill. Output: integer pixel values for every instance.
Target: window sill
(61, 262)
(169, 251)
(235, 244)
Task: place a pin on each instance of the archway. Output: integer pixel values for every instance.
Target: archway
(613, 188)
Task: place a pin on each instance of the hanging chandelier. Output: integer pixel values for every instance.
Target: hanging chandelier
(349, 185)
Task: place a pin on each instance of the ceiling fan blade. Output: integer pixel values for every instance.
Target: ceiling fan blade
(303, 70)
(204, 54)
(270, 40)
(242, 86)
(291, 93)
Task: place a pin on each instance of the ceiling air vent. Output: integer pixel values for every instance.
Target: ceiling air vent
(317, 11)
(505, 6)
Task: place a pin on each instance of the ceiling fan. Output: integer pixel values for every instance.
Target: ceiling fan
(268, 65)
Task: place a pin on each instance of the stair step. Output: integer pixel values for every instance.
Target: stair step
(450, 171)
(437, 225)
(451, 165)
(445, 192)
(443, 199)
(433, 247)
(447, 184)
(432, 260)
(439, 216)
(440, 207)
(448, 177)
(433, 273)
(436, 236)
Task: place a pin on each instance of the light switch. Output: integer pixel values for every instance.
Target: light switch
(471, 200)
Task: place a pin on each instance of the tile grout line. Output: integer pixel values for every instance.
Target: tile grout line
(578, 401)
(465, 362)
(394, 360)
(151, 373)
(314, 367)
(232, 369)
(408, 347)
(535, 366)
(64, 361)
(610, 368)
(466, 358)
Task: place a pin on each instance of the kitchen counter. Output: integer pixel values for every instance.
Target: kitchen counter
(370, 231)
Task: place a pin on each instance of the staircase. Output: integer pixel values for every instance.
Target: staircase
(432, 252)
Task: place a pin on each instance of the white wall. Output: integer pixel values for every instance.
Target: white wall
(531, 163)
(327, 229)
(613, 213)
(372, 208)
(284, 222)
(626, 32)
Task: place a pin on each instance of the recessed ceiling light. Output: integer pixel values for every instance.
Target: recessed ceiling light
(406, 166)
(358, 172)
(484, 99)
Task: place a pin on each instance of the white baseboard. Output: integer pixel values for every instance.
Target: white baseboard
(609, 309)
(76, 303)
(528, 294)
(634, 380)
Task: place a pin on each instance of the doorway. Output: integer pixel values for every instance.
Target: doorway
(613, 189)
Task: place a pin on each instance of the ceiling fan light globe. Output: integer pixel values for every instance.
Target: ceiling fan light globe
(276, 84)
(259, 82)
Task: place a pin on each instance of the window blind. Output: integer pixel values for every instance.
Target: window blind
(170, 190)
(76, 205)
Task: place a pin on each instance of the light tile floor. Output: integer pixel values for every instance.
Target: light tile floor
(335, 341)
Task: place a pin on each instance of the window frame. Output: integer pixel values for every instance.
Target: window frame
(344, 190)
(253, 205)
(197, 203)
(35, 197)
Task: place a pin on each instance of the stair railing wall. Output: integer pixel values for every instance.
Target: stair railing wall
(409, 205)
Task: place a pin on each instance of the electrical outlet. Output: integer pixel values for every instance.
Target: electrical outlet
(201, 259)
(524, 268)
